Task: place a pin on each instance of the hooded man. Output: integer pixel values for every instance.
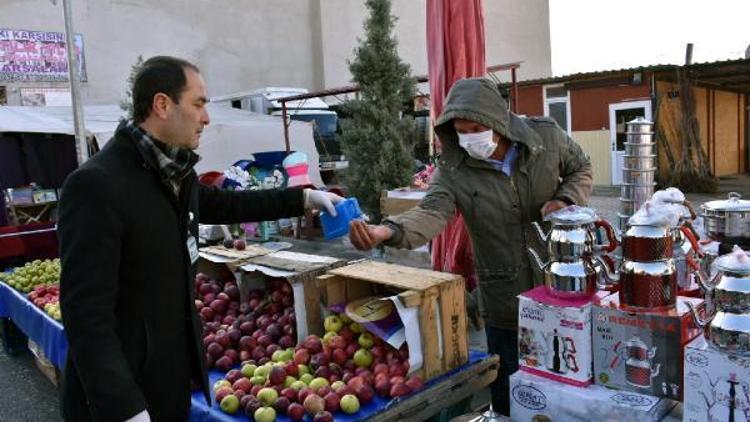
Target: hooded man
(502, 172)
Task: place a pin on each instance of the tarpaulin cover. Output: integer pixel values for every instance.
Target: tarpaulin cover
(201, 412)
(455, 50)
(38, 326)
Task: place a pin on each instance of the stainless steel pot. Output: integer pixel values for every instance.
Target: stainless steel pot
(627, 206)
(638, 177)
(640, 149)
(640, 125)
(638, 193)
(644, 162)
(574, 235)
(639, 137)
(568, 280)
(728, 220)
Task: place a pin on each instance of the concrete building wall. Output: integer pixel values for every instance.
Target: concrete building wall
(256, 43)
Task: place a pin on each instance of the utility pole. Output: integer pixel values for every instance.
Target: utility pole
(82, 151)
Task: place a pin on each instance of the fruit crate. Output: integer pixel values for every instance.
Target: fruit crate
(299, 270)
(438, 297)
(44, 365)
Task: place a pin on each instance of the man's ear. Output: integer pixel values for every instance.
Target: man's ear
(161, 105)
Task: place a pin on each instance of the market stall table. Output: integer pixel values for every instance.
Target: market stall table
(438, 394)
(37, 325)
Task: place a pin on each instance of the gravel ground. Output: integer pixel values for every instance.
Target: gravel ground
(26, 395)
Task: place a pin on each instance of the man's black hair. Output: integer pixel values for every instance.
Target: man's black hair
(163, 74)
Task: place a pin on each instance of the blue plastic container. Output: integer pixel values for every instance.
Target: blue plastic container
(346, 210)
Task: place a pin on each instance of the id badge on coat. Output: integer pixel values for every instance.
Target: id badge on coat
(192, 246)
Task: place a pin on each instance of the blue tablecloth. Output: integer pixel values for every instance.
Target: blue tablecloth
(201, 412)
(37, 325)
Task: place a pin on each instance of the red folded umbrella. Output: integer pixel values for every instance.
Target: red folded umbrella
(455, 50)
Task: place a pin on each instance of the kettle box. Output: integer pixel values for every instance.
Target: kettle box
(642, 351)
(554, 336)
(717, 384)
(534, 398)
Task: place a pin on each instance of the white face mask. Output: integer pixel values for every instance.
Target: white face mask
(479, 145)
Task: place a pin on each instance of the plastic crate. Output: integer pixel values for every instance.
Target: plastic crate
(333, 227)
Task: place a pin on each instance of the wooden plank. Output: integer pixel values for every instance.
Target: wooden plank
(312, 306)
(432, 363)
(357, 289)
(411, 298)
(453, 324)
(394, 275)
(335, 289)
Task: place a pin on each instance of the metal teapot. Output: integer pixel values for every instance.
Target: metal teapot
(568, 280)
(573, 233)
(728, 295)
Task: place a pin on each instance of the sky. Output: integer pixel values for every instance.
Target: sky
(591, 35)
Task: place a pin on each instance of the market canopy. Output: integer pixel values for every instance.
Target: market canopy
(232, 135)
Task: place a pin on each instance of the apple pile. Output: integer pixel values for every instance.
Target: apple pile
(47, 298)
(32, 274)
(235, 331)
(340, 372)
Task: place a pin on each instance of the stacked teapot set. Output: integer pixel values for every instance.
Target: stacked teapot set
(607, 335)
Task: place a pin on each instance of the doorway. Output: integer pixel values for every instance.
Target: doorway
(619, 115)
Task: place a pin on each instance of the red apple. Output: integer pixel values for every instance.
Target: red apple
(215, 350)
(301, 356)
(415, 383)
(323, 416)
(223, 392)
(331, 402)
(296, 412)
(383, 387)
(233, 376)
(365, 393)
(224, 364)
(398, 390)
(242, 384)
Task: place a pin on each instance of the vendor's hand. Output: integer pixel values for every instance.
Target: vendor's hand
(365, 237)
(552, 206)
(322, 200)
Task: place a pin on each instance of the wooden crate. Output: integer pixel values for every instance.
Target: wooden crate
(46, 367)
(302, 278)
(439, 298)
(398, 201)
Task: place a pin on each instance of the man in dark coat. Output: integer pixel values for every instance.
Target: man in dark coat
(128, 228)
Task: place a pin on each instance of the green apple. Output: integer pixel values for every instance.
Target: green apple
(365, 340)
(338, 385)
(363, 358)
(265, 414)
(268, 396)
(277, 356)
(256, 380)
(230, 404)
(298, 385)
(318, 383)
(333, 324)
(287, 355)
(289, 381)
(328, 336)
(356, 328)
(221, 383)
(303, 369)
(248, 370)
(262, 371)
(349, 404)
(306, 378)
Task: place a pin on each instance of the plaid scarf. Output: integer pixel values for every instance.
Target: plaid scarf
(173, 163)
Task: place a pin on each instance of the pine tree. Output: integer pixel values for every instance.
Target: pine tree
(377, 140)
(126, 105)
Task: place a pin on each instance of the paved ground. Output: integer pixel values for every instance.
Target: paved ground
(25, 395)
